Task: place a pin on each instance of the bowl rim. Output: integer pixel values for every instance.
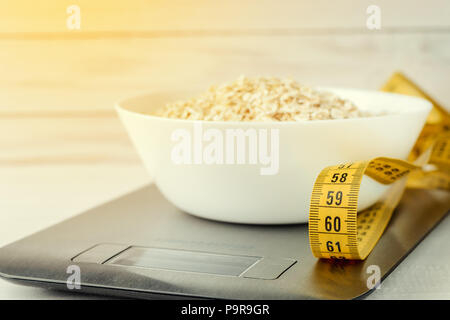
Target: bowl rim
(421, 106)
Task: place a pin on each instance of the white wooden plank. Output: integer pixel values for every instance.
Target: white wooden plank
(64, 141)
(92, 75)
(158, 15)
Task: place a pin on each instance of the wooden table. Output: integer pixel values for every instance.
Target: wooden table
(63, 149)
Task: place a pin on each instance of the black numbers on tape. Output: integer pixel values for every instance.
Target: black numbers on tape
(331, 247)
(341, 178)
(344, 166)
(333, 224)
(334, 198)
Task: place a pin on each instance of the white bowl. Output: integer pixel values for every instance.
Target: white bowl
(238, 192)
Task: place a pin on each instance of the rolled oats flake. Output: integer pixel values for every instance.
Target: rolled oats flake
(262, 99)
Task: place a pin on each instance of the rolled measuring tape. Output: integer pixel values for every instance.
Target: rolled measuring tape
(336, 229)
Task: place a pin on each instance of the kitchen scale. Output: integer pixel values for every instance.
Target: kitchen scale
(141, 246)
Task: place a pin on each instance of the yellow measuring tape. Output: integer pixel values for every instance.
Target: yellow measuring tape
(336, 229)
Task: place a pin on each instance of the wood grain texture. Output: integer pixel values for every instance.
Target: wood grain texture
(64, 141)
(38, 76)
(40, 16)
